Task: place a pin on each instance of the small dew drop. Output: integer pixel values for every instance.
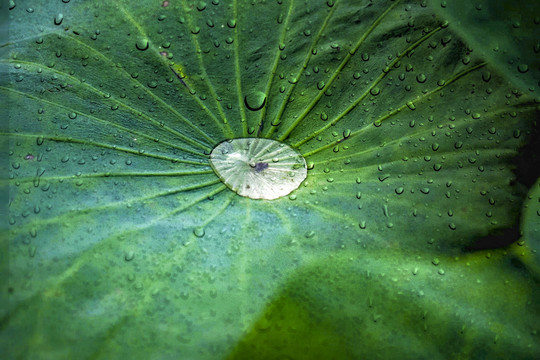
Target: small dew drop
(255, 101)
(199, 232)
(129, 255)
(58, 19)
(523, 68)
(142, 44)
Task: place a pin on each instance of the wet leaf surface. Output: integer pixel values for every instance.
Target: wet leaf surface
(124, 242)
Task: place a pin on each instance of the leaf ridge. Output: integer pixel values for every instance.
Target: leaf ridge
(99, 92)
(383, 74)
(273, 71)
(394, 112)
(285, 101)
(209, 84)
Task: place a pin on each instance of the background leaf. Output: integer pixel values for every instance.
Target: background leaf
(125, 244)
(528, 247)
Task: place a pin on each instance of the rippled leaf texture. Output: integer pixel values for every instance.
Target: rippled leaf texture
(125, 244)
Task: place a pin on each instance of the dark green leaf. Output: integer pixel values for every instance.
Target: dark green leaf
(124, 243)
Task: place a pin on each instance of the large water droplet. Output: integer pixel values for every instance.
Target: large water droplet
(258, 168)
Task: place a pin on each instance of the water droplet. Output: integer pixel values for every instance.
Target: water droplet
(142, 44)
(129, 255)
(523, 68)
(201, 6)
(199, 232)
(375, 91)
(255, 101)
(58, 19)
(39, 173)
(258, 168)
(421, 78)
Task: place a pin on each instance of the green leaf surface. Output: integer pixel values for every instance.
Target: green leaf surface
(528, 248)
(504, 31)
(124, 243)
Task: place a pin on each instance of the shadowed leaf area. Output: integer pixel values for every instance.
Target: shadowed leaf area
(403, 241)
